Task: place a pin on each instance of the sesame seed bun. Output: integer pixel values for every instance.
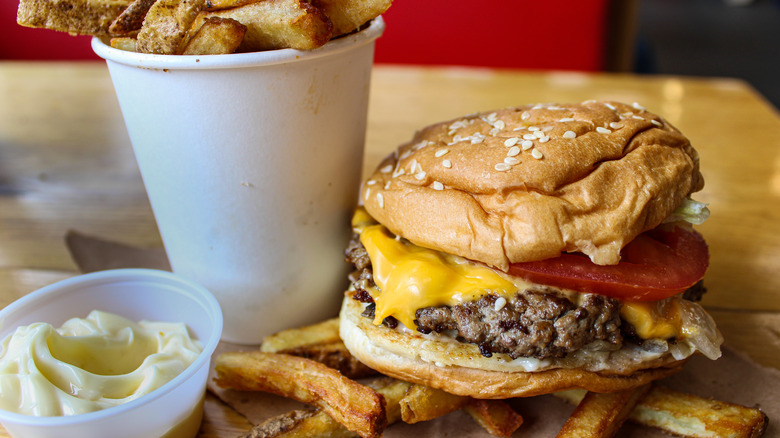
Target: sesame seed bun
(528, 183)
(459, 369)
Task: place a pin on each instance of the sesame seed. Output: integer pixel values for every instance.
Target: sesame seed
(420, 175)
(526, 115)
(566, 119)
(414, 166)
(544, 139)
(528, 144)
(438, 186)
(387, 169)
(380, 200)
(387, 185)
(492, 117)
(370, 182)
(446, 163)
(493, 132)
(569, 134)
(511, 142)
(420, 145)
(499, 125)
(398, 172)
(513, 151)
(368, 192)
(406, 154)
(477, 138)
(441, 152)
(656, 123)
(554, 108)
(638, 106)
(539, 134)
(502, 167)
(538, 106)
(536, 154)
(547, 128)
(610, 106)
(615, 125)
(458, 124)
(529, 137)
(602, 130)
(519, 128)
(511, 160)
(637, 117)
(499, 304)
(533, 128)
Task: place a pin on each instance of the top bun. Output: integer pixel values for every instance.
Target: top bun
(528, 183)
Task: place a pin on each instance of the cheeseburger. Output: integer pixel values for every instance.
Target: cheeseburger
(533, 249)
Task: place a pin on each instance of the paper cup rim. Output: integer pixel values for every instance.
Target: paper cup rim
(238, 60)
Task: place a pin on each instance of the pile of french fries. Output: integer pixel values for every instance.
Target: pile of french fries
(204, 27)
(312, 365)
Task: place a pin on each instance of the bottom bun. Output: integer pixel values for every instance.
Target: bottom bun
(417, 358)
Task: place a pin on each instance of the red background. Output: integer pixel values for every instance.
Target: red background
(528, 34)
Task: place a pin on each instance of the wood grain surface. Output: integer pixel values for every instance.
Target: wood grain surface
(66, 164)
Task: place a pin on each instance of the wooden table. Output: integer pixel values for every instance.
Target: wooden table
(66, 163)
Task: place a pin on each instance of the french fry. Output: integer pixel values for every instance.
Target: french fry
(601, 415)
(165, 27)
(495, 416)
(698, 417)
(299, 424)
(87, 17)
(349, 15)
(278, 24)
(124, 43)
(217, 36)
(689, 415)
(319, 342)
(321, 333)
(215, 5)
(423, 403)
(131, 19)
(358, 407)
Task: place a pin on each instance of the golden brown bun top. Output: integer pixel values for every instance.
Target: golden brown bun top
(512, 185)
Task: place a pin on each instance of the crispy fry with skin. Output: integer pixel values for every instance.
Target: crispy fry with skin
(349, 15)
(131, 19)
(335, 356)
(84, 17)
(166, 25)
(320, 342)
(301, 423)
(215, 5)
(423, 403)
(495, 416)
(690, 416)
(278, 24)
(601, 415)
(217, 36)
(124, 43)
(324, 332)
(358, 407)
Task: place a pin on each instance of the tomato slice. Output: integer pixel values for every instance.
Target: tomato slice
(657, 264)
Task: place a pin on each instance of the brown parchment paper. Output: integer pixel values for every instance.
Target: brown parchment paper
(734, 377)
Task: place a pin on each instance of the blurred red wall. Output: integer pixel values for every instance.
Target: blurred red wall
(528, 34)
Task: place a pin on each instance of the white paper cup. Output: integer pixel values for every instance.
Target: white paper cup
(252, 163)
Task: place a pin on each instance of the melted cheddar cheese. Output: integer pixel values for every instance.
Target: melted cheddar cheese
(409, 277)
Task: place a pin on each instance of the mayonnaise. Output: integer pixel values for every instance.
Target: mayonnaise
(89, 364)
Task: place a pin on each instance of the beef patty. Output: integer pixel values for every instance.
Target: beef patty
(538, 322)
